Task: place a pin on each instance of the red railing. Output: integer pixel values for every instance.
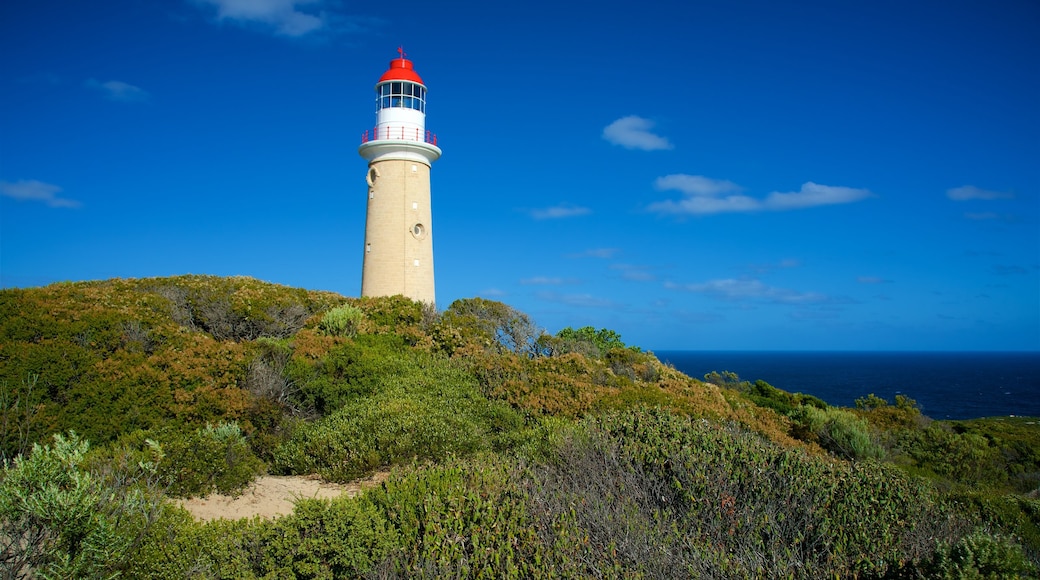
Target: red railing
(403, 133)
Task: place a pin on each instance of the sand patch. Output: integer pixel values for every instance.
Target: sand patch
(271, 496)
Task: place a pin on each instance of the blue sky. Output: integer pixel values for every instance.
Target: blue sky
(695, 175)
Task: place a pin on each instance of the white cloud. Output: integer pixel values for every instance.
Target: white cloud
(785, 264)
(582, 300)
(559, 211)
(704, 196)
(873, 280)
(541, 281)
(695, 184)
(32, 190)
(750, 290)
(967, 192)
(812, 195)
(634, 132)
(284, 16)
(981, 216)
(119, 91)
(634, 272)
(602, 253)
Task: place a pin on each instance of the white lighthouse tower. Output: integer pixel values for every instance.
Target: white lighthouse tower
(398, 224)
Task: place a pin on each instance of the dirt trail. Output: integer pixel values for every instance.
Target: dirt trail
(272, 496)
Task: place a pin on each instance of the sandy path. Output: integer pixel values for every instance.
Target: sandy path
(272, 496)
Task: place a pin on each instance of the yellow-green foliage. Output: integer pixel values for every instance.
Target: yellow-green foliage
(112, 357)
(61, 520)
(416, 406)
(461, 520)
(573, 385)
(836, 430)
(531, 456)
(639, 493)
(342, 320)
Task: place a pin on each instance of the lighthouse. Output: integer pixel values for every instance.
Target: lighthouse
(398, 223)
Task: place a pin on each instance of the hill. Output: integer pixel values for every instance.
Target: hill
(515, 452)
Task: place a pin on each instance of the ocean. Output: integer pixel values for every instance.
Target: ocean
(946, 385)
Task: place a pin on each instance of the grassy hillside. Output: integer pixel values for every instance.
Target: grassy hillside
(518, 453)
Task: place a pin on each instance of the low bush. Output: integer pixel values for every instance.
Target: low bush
(429, 409)
(348, 371)
(197, 462)
(460, 520)
(966, 458)
(342, 538)
(663, 495)
(342, 320)
(61, 520)
(836, 430)
(178, 547)
(981, 554)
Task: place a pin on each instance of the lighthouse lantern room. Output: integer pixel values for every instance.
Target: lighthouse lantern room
(398, 255)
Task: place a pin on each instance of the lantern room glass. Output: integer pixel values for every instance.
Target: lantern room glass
(401, 94)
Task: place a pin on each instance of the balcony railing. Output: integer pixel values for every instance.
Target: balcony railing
(402, 133)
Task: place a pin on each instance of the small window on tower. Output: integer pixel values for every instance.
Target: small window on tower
(371, 177)
(418, 231)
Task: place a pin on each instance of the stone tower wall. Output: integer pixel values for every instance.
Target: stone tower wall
(398, 231)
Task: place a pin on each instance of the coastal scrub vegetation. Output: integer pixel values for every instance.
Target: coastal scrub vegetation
(515, 452)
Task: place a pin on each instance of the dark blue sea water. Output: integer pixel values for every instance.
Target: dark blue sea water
(946, 385)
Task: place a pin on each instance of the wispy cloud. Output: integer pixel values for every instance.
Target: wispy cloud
(812, 195)
(873, 280)
(32, 190)
(969, 192)
(601, 253)
(1012, 270)
(581, 300)
(704, 196)
(634, 272)
(634, 132)
(542, 281)
(785, 264)
(982, 216)
(283, 17)
(559, 211)
(491, 293)
(119, 91)
(750, 290)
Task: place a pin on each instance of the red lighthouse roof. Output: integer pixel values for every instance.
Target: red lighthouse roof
(401, 69)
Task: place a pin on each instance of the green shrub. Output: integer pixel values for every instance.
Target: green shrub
(460, 520)
(587, 341)
(209, 459)
(342, 320)
(981, 555)
(178, 547)
(661, 493)
(968, 458)
(726, 380)
(838, 431)
(341, 538)
(429, 409)
(58, 520)
(349, 371)
(490, 325)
